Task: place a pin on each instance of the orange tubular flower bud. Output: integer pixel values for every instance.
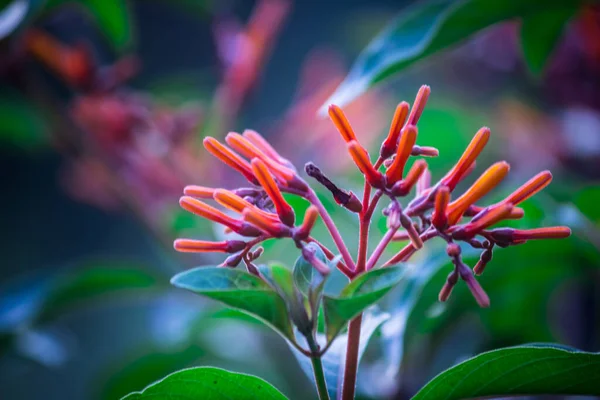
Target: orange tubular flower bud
(442, 198)
(202, 246)
(263, 145)
(554, 232)
(391, 142)
(204, 210)
(341, 123)
(486, 182)
(229, 157)
(488, 218)
(284, 210)
(273, 228)
(307, 224)
(413, 175)
(200, 192)
(531, 187)
(361, 159)
(515, 213)
(467, 159)
(286, 175)
(419, 106)
(231, 200)
(407, 141)
(74, 65)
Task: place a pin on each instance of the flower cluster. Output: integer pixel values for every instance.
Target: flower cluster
(263, 213)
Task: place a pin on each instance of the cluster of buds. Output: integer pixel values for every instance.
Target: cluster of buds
(263, 213)
(130, 143)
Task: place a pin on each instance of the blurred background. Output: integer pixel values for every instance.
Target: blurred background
(103, 106)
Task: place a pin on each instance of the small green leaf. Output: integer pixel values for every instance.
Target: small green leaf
(281, 280)
(424, 29)
(334, 357)
(522, 370)
(541, 31)
(362, 292)
(208, 383)
(305, 275)
(240, 290)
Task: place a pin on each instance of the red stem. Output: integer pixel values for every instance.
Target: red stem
(333, 231)
(351, 364)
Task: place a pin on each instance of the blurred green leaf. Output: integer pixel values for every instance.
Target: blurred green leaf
(522, 370)
(424, 29)
(112, 17)
(209, 384)
(240, 290)
(335, 355)
(41, 298)
(541, 31)
(362, 292)
(145, 369)
(20, 123)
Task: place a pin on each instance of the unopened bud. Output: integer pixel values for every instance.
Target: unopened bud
(453, 250)
(448, 286)
(484, 259)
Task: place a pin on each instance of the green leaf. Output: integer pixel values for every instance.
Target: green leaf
(43, 297)
(540, 33)
(139, 371)
(240, 290)
(112, 17)
(20, 122)
(362, 292)
(334, 357)
(281, 280)
(424, 29)
(306, 277)
(522, 370)
(209, 384)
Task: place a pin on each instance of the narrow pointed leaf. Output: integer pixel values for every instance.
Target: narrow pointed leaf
(240, 290)
(209, 384)
(522, 370)
(424, 29)
(364, 291)
(540, 33)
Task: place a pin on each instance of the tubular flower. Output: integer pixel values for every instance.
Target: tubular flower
(284, 210)
(341, 123)
(419, 106)
(396, 170)
(388, 148)
(362, 161)
(466, 161)
(200, 246)
(434, 211)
